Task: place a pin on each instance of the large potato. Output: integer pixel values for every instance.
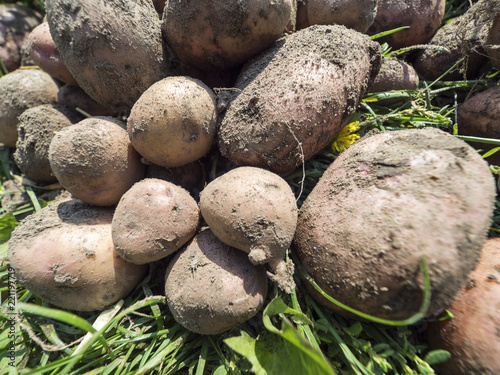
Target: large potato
(64, 254)
(153, 219)
(173, 122)
(37, 127)
(422, 16)
(211, 287)
(385, 202)
(20, 90)
(356, 14)
(95, 161)
(214, 34)
(114, 49)
(301, 91)
(472, 335)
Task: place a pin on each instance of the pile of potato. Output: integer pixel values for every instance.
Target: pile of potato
(264, 86)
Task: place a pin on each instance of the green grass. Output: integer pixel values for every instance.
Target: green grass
(293, 333)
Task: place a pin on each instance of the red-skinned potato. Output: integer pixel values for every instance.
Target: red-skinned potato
(95, 161)
(389, 199)
(253, 210)
(20, 90)
(295, 98)
(153, 219)
(211, 287)
(356, 14)
(472, 336)
(422, 16)
(173, 122)
(43, 52)
(64, 254)
(215, 35)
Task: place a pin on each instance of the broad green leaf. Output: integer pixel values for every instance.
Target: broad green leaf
(7, 224)
(437, 356)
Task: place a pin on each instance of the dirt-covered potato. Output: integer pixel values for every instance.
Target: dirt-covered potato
(479, 116)
(173, 122)
(385, 202)
(37, 126)
(214, 34)
(20, 90)
(472, 335)
(190, 176)
(153, 219)
(114, 49)
(44, 54)
(95, 161)
(492, 46)
(422, 16)
(297, 96)
(64, 254)
(464, 37)
(253, 210)
(16, 23)
(211, 287)
(356, 14)
(395, 74)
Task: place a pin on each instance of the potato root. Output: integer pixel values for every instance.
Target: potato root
(64, 254)
(385, 202)
(472, 335)
(296, 97)
(95, 161)
(153, 219)
(211, 287)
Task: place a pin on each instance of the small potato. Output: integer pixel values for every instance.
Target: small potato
(422, 16)
(395, 74)
(173, 122)
(211, 287)
(355, 14)
(64, 254)
(190, 176)
(472, 335)
(75, 97)
(253, 210)
(95, 161)
(215, 35)
(37, 127)
(20, 90)
(153, 219)
(389, 199)
(43, 52)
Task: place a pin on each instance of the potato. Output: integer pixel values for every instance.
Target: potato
(75, 97)
(64, 254)
(43, 52)
(356, 14)
(153, 219)
(190, 176)
(303, 90)
(385, 202)
(492, 45)
(173, 122)
(464, 37)
(472, 336)
(215, 35)
(211, 287)
(114, 49)
(95, 161)
(422, 16)
(16, 23)
(252, 210)
(479, 116)
(37, 126)
(395, 74)
(20, 90)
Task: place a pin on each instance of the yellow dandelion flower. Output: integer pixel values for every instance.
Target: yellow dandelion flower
(346, 137)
